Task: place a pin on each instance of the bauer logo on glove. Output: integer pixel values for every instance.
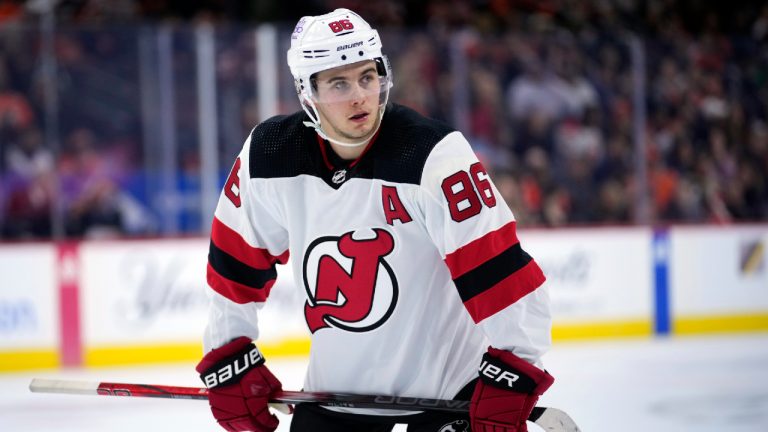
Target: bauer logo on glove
(499, 374)
(231, 369)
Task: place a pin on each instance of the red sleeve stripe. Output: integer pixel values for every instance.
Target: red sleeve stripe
(231, 242)
(235, 291)
(505, 293)
(477, 252)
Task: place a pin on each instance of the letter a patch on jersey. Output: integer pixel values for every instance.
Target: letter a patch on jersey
(349, 284)
(393, 207)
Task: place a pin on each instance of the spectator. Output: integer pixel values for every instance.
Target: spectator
(686, 204)
(29, 186)
(95, 204)
(536, 92)
(15, 110)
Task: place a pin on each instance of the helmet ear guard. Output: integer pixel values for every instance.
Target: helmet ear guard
(384, 69)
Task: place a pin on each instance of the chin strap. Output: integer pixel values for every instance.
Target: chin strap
(337, 142)
(316, 126)
(309, 107)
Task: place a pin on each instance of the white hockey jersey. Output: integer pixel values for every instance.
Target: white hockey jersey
(408, 257)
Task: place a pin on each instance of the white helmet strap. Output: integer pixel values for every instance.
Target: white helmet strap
(314, 123)
(322, 134)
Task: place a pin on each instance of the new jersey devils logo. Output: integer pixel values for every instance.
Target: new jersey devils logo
(349, 284)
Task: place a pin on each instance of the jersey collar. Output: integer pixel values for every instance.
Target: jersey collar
(333, 162)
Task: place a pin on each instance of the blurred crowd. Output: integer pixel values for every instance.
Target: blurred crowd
(548, 92)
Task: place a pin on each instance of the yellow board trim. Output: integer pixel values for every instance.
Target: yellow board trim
(171, 353)
(138, 354)
(720, 324)
(14, 361)
(293, 347)
(602, 330)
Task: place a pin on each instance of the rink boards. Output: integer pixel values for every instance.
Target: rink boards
(122, 302)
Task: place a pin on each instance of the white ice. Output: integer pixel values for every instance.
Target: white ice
(701, 384)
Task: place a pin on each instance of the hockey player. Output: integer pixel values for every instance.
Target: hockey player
(413, 273)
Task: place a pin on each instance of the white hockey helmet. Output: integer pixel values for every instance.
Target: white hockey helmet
(328, 41)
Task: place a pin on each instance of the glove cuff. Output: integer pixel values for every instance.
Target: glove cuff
(228, 364)
(504, 370)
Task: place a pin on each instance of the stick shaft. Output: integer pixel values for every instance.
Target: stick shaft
(288, 397)
(550, 419)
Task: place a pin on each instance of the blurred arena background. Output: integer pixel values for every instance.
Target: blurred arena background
(629, 137)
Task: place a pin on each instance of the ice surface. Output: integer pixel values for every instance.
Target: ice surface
(696, 384)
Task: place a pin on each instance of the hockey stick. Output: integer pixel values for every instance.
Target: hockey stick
(550, 419)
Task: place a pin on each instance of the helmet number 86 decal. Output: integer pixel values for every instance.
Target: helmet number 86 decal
(340, 25)
(464, 191)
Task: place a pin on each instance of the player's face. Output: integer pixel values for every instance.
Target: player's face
(347, 99)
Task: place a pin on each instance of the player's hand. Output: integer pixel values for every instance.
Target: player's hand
(239, 386)
(506, 392)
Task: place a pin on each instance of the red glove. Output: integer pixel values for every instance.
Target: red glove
(506, 392)
(239, 386)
